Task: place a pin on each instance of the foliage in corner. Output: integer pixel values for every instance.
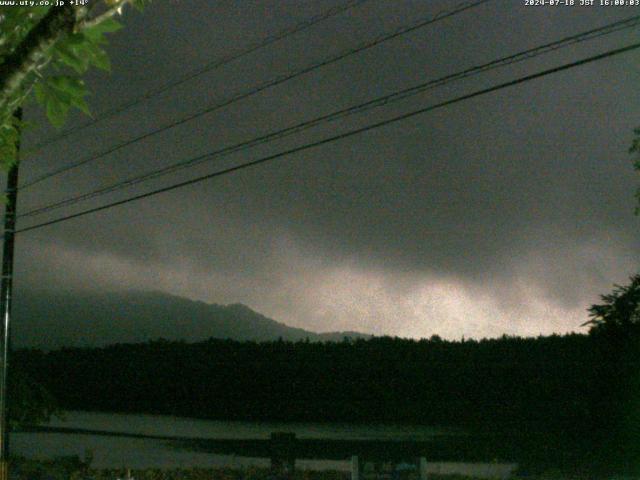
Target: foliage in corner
(45, 51)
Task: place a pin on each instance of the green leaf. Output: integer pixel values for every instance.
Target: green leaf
(73, 86)
(101, 60)
(64, 91)
(79, 51)
(39, 89)
(70, 57)
(95, 33)
(8, 144)
(140, 4)
(56, 110)
(81, 104)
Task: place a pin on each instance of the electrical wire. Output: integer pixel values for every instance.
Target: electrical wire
(211, 66)
(271, 83)
(359, 108)
(340, 136)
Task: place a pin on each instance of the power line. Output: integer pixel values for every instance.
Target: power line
(268, 84)
(378, 102)
(271, 83)
(265, 42)
(341, 136)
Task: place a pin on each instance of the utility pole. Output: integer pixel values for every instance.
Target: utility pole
(5, 302)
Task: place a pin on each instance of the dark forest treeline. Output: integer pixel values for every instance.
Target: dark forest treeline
(562, 383)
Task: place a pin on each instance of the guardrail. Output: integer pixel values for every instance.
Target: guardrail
(369, 459)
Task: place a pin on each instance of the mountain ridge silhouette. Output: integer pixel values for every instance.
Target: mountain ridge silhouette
(50, 320)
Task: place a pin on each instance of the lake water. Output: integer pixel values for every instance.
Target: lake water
(110, 452)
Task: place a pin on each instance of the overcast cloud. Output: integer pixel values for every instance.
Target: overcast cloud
(508, 213)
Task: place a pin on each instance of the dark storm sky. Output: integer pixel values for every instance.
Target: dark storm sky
(507, 213)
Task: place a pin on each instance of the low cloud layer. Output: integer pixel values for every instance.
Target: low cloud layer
(509, 213)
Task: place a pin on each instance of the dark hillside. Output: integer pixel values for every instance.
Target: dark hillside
(53, 320)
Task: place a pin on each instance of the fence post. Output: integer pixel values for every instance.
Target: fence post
(355, 468)
(423, 468)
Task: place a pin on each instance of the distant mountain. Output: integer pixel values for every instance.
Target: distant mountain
(53, 320)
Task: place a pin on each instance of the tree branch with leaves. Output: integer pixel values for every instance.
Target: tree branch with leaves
(46, 50)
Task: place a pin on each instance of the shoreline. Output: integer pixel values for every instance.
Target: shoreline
(73, 468)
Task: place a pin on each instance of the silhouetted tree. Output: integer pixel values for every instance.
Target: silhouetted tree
(620, 310)
(615, 329)
(30, 402)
